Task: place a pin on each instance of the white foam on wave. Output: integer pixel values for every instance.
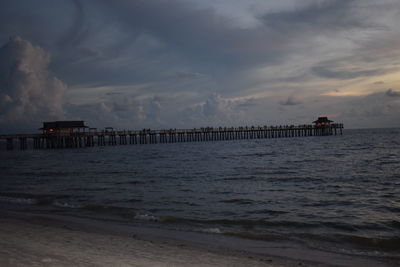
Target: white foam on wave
(146, 217)
(16, 200)
(64, 205)
(212, 230)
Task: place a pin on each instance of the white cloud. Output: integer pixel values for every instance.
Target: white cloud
(29, 93)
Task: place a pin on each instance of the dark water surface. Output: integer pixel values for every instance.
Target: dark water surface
(334, 193)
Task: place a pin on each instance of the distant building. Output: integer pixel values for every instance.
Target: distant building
(322, 122)
(63, 127)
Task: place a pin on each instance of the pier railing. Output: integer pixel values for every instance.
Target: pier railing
(147, 136)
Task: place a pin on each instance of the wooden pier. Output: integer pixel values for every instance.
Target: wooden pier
(147, 136)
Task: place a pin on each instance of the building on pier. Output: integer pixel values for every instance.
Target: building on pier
(63, 127)
(322, 122)
(323, 126)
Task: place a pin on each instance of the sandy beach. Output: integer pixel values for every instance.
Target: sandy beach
(39, 241)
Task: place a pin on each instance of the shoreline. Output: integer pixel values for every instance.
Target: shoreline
(37, 240)
(32, 239)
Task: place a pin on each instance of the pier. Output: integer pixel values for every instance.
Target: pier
(110, 137)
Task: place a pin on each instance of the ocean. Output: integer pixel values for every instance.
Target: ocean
(333, 194)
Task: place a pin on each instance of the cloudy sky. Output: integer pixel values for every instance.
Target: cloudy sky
(132, 64)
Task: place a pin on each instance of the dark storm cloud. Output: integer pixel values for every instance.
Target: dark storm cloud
(319, 17)
(206, 36)
(200, 35)
(118, 42)
(188, 75)
(77, 30)
(377, 107)
(337, 73)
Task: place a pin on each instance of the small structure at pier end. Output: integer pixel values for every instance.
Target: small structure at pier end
(323, 126)
(322, 121)
(63, 127)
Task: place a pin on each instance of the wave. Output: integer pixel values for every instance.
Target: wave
(186, 190)
(259, 155)
(107, 211)
(347, 242)
(392, 209)
(255, 236)
(65, 205)
(185, 203)
(212, 231)
(94, 189)
(266, 211)
(172, 219)
(326, 203)
(29, 199)
(393, 224)
(355, 241)
(146, 217)
(133, 200)
(392, 243)
(104, 208)
(132, 182)
(246, 223)
(243, 201)
(139, 182)
(289, 224)
(18, 200)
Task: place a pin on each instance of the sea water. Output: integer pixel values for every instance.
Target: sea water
(338, 194)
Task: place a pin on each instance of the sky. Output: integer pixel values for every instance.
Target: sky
(134, 64)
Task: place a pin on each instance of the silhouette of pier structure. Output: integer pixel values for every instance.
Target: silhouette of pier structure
(59, 138)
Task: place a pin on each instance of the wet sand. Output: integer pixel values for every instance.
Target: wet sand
(40, 241)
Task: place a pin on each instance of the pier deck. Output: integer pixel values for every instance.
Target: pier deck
(147, 136)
